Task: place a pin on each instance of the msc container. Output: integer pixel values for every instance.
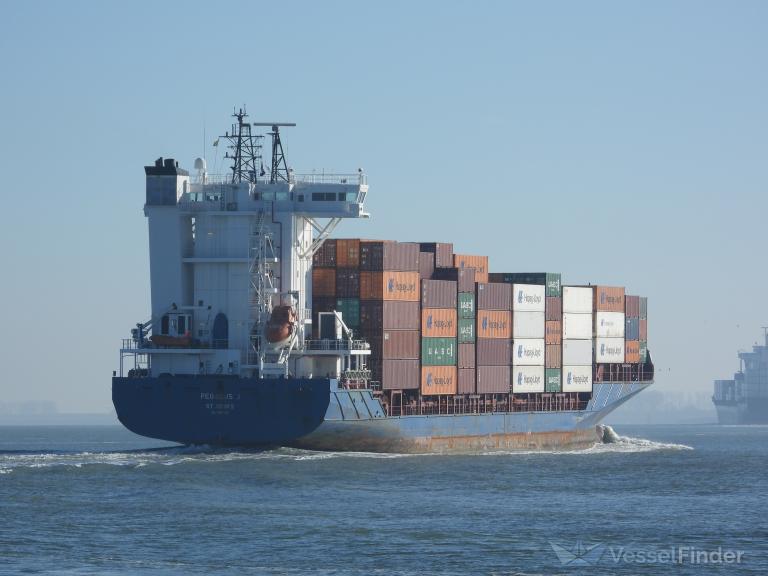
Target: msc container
(528, 352)
(550, 280)
(493, 379)
(553, 332)
(395, 345)
(494, 352)
(632, 306)
(643, 352)
(577, 326)
(494, 324)
(527, 379)
(466, 381)
(438, 380)
(466, 305)
(632, 329)
(348, 282)
(388, 255)
(443, 252)
(466, 356)
(348, 253)
(350, 311)
(609, 298)
(609, 324)
(632, 351)
(323, 282)
(426, 265)
(553, 356)
(466, 329)
(325, 257)
(438, 323)
(495, 296)
(438, 351)
(528, 298)
(577, 300)
(389, 285)
(438, 294)
(378, 315)
(464, 277)
(553, 380)
(643, 329)
(577, 378)
(479, 263)
(643, 307)
(554, 308)
(399, 374)
(609, 350)
(577, 352)
(528, 325)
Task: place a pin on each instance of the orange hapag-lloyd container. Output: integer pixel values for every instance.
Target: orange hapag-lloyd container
(390, 285)
(438, 380)
(609, 299)
(479, 263)
(494, 324)
(632, 352)
(553, 332)
(438, 323)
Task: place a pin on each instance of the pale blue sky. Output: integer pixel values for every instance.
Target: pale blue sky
(617, 142)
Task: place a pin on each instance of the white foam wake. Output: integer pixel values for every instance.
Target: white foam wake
(613, 442)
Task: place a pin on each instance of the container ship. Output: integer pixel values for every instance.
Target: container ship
(744, 399)
(266, 330)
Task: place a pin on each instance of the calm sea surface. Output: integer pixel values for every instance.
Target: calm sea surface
(662, 500)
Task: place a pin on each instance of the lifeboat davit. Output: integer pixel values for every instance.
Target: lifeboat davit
(281, 325)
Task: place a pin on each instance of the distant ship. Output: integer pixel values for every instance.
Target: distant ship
(264, 331)
(744, 399)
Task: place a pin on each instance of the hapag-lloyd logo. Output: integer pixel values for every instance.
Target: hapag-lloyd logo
(531, 380)
(610, 299)
(575, 379)
(609, 350)
(393, 286)
(522, 297)
(490, 325)
(523, 352)
(438, 324)
(439, 380)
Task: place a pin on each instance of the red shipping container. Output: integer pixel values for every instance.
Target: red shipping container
(389, 255)
(464, 277)
(494, 352)
(493, 379)
(426, 265)
(553, 332)
(632, 306)
(644, 329)
(494, 296)
(395, 345)
(553, 356)
(443, 252)
(466, 355)
(553, 308)
(400, 374)
(377, 316)
(438, 294)
(466, 381)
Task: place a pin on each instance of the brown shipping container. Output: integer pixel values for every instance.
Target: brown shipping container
(438, 323)
(323, 282)
(426, 265)
(608, 298)
(389, 285)
(325, 257)
(494, 324)
(643, 329)
(553, 332)
(494, 352)
(466, 355)
(553, 308)
(395, 345)
(464, 277)
(389, 255)
(400, 374)
(438, 380)
(494, 296)
(493, 379)
(479, 263)
(466, 381)
(632, 306)
(377, 316)
(443, 252)
(347, 282)
(438, 294)
(348, 253)
(553, 356)
(632, 352)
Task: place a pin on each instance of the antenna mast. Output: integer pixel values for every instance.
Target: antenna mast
(279, 169)
(246, 150)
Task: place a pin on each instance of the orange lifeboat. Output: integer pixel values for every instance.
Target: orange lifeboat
(166, 341)
(282, 323)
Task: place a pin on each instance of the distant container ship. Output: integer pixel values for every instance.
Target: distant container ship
(264, 330)
(744, 399)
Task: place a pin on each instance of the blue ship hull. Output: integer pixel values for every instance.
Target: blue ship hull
(315, 414)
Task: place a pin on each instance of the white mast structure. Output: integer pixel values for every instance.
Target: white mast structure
(224, 252)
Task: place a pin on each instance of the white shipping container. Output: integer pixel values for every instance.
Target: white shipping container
(578, 300)
(528, 352)
(528, 325)
(577, 326)
(609, 350)
(527, 379)
(577, 378)
(528, 298)
(609, 324)
(577, 352)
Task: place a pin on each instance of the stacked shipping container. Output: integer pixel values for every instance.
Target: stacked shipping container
(577, 339)
(439, 331)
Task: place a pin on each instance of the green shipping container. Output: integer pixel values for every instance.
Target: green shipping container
(643, 352)
(350, 311)
(466, 330)
(553, 380)
(438, 351)
(643, 307)
(466, 305)
(554, 282)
